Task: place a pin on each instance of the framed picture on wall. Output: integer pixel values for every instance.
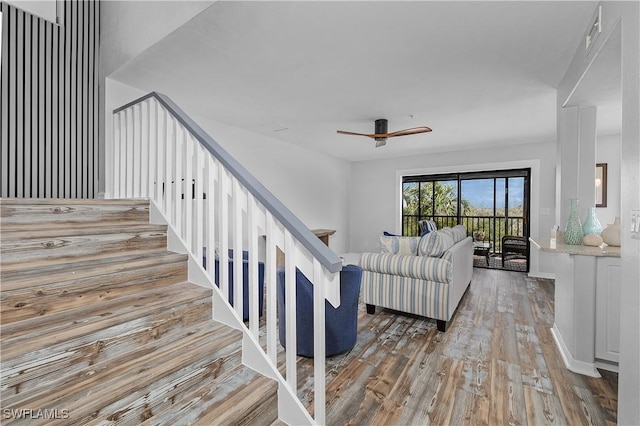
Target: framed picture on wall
(601, 185)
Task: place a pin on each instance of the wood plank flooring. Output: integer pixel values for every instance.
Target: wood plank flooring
(497, 364)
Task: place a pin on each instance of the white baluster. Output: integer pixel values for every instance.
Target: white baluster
(238, 270)
(160, 136)
(187, 223)
(116, 160)
(136, 141)
(223, 212)
(270, 279)
(145, 157)
(199, 227)
(128, 153)
(290, 309)
(177, 186)
(252, 222)
(210, 216)
(319, 342)
(168, 157)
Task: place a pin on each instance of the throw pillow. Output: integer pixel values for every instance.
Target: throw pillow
(399, 245)
(435, 243)
(426, 226)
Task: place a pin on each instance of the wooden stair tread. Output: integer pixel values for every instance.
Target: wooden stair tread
(22, 374)
(74, 201)
(16, 236)
(34, 333)
(224, 402)
(31, 369)
(104, 384)
(35, 252)
(75, 270)
(39, 213)
(22, 304)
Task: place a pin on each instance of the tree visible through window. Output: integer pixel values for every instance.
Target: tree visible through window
(495, 203)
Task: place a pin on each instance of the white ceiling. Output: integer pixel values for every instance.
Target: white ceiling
(478, 73)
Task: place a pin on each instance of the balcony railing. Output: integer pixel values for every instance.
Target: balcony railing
(213, 207)
(494, 228)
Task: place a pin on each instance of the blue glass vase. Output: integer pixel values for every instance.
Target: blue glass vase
(573, 231)
(592, 224)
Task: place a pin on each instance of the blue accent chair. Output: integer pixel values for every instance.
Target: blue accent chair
(341, 324)
(245, 269)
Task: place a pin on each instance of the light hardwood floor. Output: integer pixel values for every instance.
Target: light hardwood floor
(497, 364)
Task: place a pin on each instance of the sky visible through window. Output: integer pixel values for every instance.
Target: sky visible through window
(479, 192)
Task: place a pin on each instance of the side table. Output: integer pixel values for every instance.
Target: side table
(480, 248)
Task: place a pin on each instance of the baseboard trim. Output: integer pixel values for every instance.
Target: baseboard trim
(545, 275)
(580, 367)
(609, 366)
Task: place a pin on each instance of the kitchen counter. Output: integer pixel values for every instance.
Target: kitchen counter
(586, 296)
(543, 244)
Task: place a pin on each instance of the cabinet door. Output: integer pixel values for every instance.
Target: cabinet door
(608, 309)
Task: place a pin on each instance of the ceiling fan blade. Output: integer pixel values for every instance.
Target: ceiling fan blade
(343, 132)
(412, 131)
(381, 138)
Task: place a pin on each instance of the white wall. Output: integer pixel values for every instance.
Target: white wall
(376, 188)
(127, 28)
(46, 9)
(608, 151)
(314, 186)
(623, 17)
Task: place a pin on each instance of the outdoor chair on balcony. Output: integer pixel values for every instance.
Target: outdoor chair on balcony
(514, 247)
(341, 323)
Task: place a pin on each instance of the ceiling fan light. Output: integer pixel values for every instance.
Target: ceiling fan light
(381, 126)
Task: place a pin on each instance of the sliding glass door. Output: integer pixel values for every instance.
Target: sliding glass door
(490, 205)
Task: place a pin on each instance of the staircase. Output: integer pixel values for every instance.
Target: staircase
(100, 326)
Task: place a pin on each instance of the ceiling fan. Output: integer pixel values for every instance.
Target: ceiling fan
(381, 134)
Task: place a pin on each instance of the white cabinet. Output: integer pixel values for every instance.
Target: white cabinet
(586, 326)
(608, 308)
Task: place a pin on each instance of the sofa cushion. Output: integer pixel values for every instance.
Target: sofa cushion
(459, 233)
(421, 267)
(435, 243)
(449, 232)
(399, 245)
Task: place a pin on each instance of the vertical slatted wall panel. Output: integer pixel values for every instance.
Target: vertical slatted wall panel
(50, 102)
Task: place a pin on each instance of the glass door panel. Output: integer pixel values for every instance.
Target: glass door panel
(490, 205)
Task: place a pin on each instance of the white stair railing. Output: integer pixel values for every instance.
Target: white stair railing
(213, 205)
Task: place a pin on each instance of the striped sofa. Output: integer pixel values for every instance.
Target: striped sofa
(429, 286)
